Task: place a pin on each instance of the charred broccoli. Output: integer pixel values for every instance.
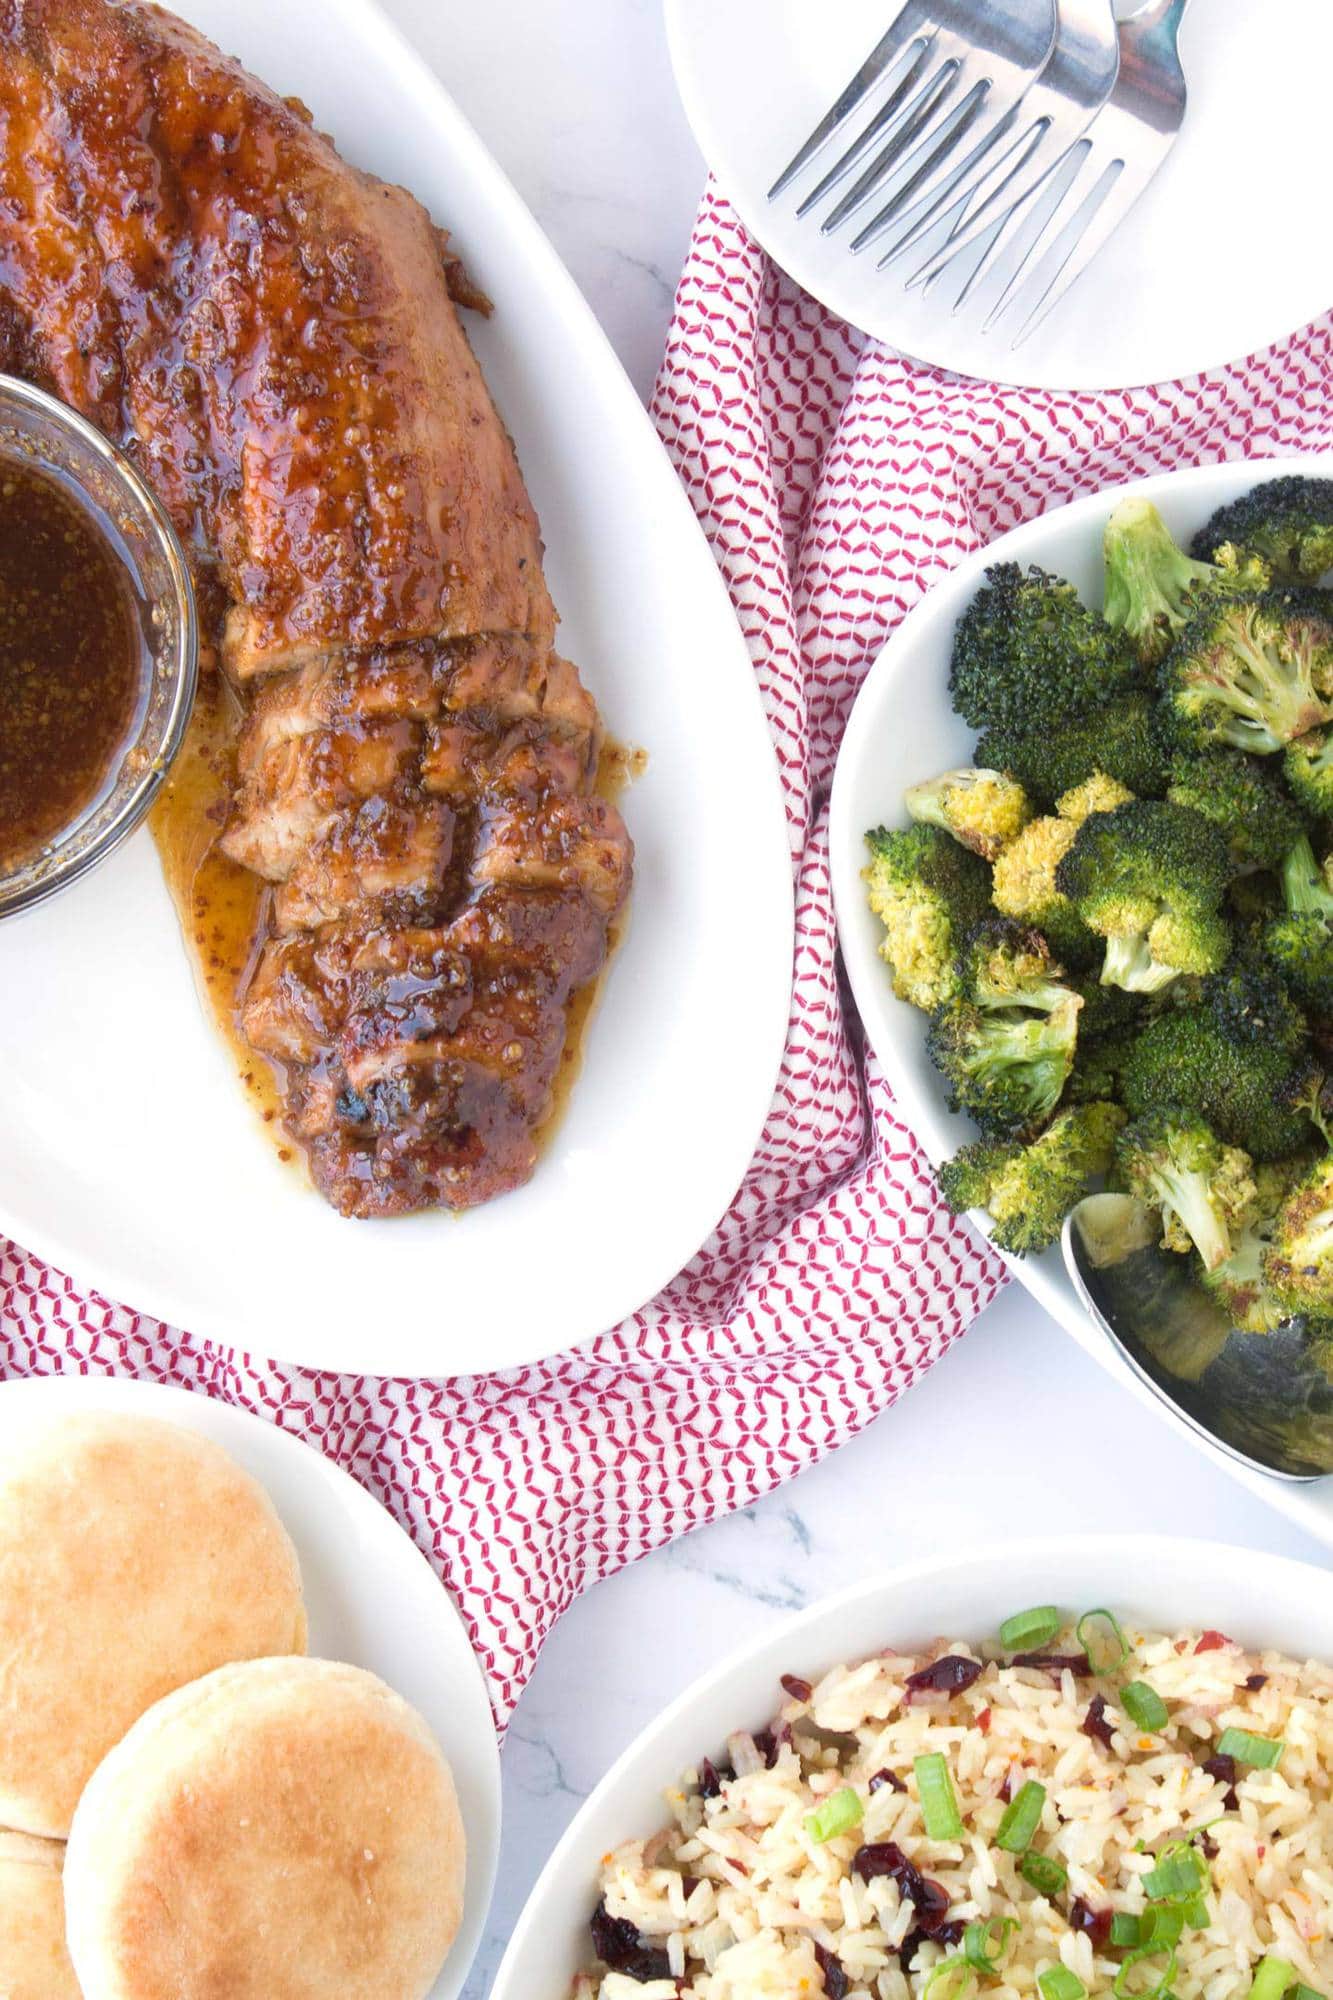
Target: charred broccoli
(1238, 1283)
(1244, 800)
(1028, 655)
(1023, 887)
(1298, 1265)
(1254, 672)
(1151, 584)
(1029, 1190)
(1149, 878)
(1239, 1058)
(982, 809)
(1123, 738)
(1005, 1067)
(1300, 941)
(928, 892)
(1288, 522)
(1307, 766)
(1097, 794)
(1205, 1191)
(1006, 1047)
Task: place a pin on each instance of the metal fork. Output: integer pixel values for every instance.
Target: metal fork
(931, 50)
(1102, 174)
(1078, 77)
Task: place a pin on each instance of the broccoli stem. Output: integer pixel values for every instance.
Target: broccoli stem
(1148, 578)
(1187, 1195)
(1303, 886)
(1130, 965)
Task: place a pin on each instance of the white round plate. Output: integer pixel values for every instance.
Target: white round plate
(372, 1598)
(1165, 1584)
(902, 729)
(131, 1158)
(1160, 301)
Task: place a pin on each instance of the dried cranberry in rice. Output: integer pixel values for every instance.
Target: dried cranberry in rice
(928, 1898)
(712, 1779)
(1095, 1924)
(835, 1979)
(1094, 1723)
(622, 1947)
(1223, 1768)
(1055, 1664)
(1254, 1682)
(1213, 1642)
(766, 1743)
(952, 1673)
(799, 1690)
(882, 1778)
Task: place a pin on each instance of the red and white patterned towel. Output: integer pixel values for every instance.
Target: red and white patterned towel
(835, 483)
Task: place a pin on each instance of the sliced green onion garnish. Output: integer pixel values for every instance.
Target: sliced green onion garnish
(1059, 1983)
(1125, 1929)
(1263, 1752)
(1161, 1927)
(1100, 1636)
(951, 1979)
(1272, 1977)
(1179, 1875)
(1305, 1993)
(978, 1949)
(939, 1802)
(1159, 1986)
(840, 1812)
(1196, 1914)
(1026, 1631)
(1047, 1875)
(1144, 1706)
(1021, 1819)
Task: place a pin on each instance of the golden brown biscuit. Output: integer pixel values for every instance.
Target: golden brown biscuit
(134, 1556)
(34, 1964)
(283, 1827)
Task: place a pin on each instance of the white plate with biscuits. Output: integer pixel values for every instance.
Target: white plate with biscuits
(238, 1691)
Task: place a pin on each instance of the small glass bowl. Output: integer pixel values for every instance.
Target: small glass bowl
(45, 435)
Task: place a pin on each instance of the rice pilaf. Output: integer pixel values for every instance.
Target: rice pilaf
(1161, 1856)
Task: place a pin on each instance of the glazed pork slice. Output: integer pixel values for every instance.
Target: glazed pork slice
(271, 334)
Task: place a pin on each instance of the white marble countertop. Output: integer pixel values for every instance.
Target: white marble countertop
(576, 101)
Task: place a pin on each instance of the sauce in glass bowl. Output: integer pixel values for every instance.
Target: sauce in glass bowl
(69, 660)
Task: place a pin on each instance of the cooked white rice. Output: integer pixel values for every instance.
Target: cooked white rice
(738, 1895)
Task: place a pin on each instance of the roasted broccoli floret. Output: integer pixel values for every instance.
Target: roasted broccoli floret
(1149, 878)
(1004, 964)
(1097, 794)
(1005, 1048)
(1243, 798)
(982, 809)
(1123, 739)
(1300, 940)
(928, 892)
(1204, 1190)
(1254, 672)
(1029, 1190)
(1152, 585)
(1307, 766)
(1005, 1068)
(1028, 654)
(1023, 887)
(1298, 1265)
(1238, 1283)
(1287, 521)
(1240, 1058)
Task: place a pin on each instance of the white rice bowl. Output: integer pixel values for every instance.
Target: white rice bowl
(735, 1899)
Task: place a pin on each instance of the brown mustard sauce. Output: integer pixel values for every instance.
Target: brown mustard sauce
(69, 660)
(223, 908)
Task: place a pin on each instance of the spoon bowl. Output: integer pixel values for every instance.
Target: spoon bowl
(1266, 1398)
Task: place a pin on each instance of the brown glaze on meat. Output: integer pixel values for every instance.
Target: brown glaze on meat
(272, 335)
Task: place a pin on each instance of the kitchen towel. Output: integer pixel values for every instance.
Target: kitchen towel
(835, 481)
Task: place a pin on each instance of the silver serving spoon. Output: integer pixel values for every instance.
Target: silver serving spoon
(1265, 1398)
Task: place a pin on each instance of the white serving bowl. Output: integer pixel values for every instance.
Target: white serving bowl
(1166, 1584)
(902, 729)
